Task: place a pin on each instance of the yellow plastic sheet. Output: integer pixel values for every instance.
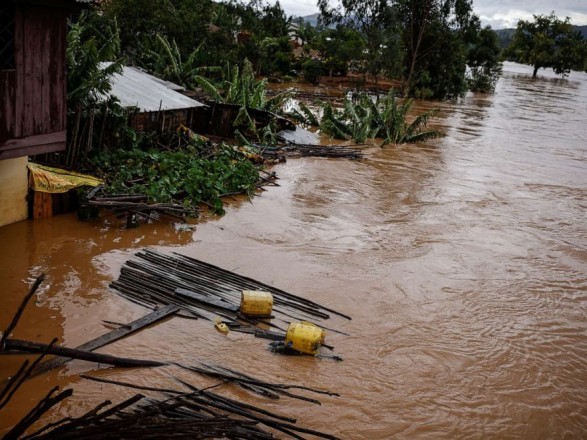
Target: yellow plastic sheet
(54, 180)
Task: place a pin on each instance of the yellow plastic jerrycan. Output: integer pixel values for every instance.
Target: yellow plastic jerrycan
(304, 337)
(256, 303)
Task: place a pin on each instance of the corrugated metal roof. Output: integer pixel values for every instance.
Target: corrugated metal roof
(136, 88)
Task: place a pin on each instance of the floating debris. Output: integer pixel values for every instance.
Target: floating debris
(152, 278)
(306, 150)
(197, 413)
(256, 303)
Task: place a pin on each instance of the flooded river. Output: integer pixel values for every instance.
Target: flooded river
(463, 262)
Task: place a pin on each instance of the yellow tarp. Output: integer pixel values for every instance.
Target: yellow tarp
(54, 180)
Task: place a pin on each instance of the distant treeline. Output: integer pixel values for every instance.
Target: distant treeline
(505, 35)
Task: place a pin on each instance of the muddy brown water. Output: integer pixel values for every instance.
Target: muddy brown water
(463, 262)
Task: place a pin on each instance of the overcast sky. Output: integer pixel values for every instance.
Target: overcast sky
(497, 13)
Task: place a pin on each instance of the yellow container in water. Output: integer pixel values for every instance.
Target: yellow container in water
(304, 337)
(256, 303)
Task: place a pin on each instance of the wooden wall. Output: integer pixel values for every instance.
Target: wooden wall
(162, 121)
(33, 119)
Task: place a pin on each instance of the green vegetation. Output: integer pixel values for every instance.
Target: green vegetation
(193, 172)
(239, 86)
(191, 175)
(204, 32)
(548, 42)
(92, 122)
(363, 118)
(484, 61)
(427, 44)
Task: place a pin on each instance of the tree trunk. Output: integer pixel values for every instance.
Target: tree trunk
(535, 71)
(408, 83)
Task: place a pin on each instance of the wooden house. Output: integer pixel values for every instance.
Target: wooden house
(32, 92)
(155, 105)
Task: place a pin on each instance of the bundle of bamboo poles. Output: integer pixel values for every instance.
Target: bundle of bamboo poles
(152, 278)
(306, 150)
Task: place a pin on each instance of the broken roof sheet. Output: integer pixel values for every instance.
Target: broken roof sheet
(136, 88)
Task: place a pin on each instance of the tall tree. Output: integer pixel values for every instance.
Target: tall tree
(437, 35)
(339, 47)
(183, 21)
(484, 61)
(376, 22)
(548, 42)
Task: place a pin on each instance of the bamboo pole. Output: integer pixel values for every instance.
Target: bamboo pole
(36, 347)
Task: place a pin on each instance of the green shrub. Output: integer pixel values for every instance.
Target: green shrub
(189, 176)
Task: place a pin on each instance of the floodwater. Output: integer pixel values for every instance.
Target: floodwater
(463, 262)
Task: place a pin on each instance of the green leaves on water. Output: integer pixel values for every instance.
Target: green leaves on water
(189, 176)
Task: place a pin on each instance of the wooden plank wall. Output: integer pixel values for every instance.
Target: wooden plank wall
(38, 100)
(7, 102)
(41, 67)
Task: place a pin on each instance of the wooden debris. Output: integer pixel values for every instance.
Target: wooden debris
(37, 412)
(199, 413)
(23, 374)
(124, 204)
(258, 386)
(112, 336)
(153, 278)
(306, 150)
(37, 347)
(207, 300)
(21, 308)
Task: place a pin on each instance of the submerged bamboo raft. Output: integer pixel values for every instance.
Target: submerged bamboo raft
(206, 291)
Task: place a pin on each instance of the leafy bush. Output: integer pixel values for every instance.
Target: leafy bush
(312, 70)
(190, 176)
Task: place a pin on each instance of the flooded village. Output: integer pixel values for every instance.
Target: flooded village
(289, 246)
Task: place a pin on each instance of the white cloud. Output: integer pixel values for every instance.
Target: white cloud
(298, 7)
(498, 13)
(506, 13)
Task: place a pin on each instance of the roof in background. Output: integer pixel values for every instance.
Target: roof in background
(136, 88)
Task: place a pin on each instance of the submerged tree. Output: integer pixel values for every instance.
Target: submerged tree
(429, 43)
(437, 36)
(484, 61)
(548, 42)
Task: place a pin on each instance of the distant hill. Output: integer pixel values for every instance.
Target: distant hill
(583, 30)
(312, 19)
(505, 35)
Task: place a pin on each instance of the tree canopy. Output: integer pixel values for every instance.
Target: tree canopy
(548, 42)
(437, 48)
(427, 43)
